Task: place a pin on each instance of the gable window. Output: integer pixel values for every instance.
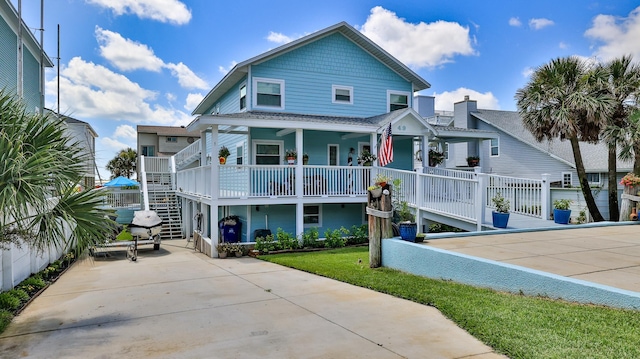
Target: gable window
(267, 152)
(567, 179)
(268, 93)
(495, 147)
(312, 216)
(593, 178)
(333, 159)
(148, 151)
(172, 139)
(243, 97)
(397, 100)
(342, 94)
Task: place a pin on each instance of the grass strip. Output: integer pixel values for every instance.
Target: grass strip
(514, 325)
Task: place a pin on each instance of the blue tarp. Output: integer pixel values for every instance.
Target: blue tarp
(121, 182)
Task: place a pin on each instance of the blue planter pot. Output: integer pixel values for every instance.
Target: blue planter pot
(408, 231)
(561, 216)
(500, 220)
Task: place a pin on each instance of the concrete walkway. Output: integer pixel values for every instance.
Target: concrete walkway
(175, 303)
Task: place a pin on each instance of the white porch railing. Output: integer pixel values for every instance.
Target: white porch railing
(117, 198)
(195, 181)
(187, 153)
(449, 172)
(525, 195)
(157, 164)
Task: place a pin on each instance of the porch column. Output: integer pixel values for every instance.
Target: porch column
(203, 148)
(424, 149)
(373, 142)
(299, 172)
(545, 197)
(480, 197)
(215, 193)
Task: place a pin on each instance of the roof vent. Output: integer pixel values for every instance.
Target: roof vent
(466, 97)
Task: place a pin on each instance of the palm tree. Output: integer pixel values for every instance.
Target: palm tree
(560, 102)
(39, 171)
(124, 164)
(623, 86)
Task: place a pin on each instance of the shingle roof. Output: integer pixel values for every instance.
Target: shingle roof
(594, 156)
(167, 131)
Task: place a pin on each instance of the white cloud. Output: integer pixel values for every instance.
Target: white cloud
(618, 35)
(193, 100)
(444, 101)
(128, 55)
(527, 72)
(125, 54)
(170, 97)
(279, 38)
(224, 70)
(126, 132)
(563, 45)
(417, 45)
(92, 91)
(171, 11)
(514, 21)
(540, 23)
(186, 78)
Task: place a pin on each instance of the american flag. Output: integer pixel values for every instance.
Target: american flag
(385, 153)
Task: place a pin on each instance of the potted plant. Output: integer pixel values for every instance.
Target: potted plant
(223, 249)
(500, 215)
(473, 161)
(406, 222)
(375, 190)
(235, 249)
(305, 159)
(435, 157)
(291, 156)
(366, 158)
(381, 179)
(223, 153)
(561, 211)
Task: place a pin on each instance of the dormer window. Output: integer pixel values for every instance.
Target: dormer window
(269, 93)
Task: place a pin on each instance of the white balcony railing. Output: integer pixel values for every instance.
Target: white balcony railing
(187, 153)
(524, 195)
(157, 164)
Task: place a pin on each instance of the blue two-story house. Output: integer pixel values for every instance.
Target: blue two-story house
(329, 97)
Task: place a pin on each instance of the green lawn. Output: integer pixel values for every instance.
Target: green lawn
(517, 326)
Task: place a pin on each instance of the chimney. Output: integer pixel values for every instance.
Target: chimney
(466, 97)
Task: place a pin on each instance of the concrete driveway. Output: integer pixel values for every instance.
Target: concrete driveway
(176, 303)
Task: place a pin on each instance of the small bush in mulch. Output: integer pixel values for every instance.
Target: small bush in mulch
(13, 301)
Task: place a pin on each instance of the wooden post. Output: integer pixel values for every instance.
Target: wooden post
(379, 211)
(629, 200)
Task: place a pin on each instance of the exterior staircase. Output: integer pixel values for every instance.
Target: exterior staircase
(164, 201)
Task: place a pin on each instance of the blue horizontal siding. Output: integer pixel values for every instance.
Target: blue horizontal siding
(8, 58)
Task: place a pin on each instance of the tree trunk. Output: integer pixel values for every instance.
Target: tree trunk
(584, 183)
(614, 212)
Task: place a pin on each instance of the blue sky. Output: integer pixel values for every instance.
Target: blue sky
(130, 62)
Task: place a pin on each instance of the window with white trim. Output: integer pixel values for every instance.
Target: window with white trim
(397, 100)
(148, 151)
(593, 178)
(243, 97)
(312, 216)
(267, 152)
(495, 147)
(567, 179)
(240, 153)
(268, 93)
(332, 153)
(342, 94)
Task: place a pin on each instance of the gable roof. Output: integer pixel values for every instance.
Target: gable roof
(594, 156)
(167, 131)
(72, 121)
(241, 69)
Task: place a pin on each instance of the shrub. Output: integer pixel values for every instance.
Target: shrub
(35, 281)
(310, 239)
(5, 319)
(266, 244)
(9, 302)
(20, 294)
(286, 240)
(358, 235)
(335, 238)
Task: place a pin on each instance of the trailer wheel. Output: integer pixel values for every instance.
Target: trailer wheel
(156, 246)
